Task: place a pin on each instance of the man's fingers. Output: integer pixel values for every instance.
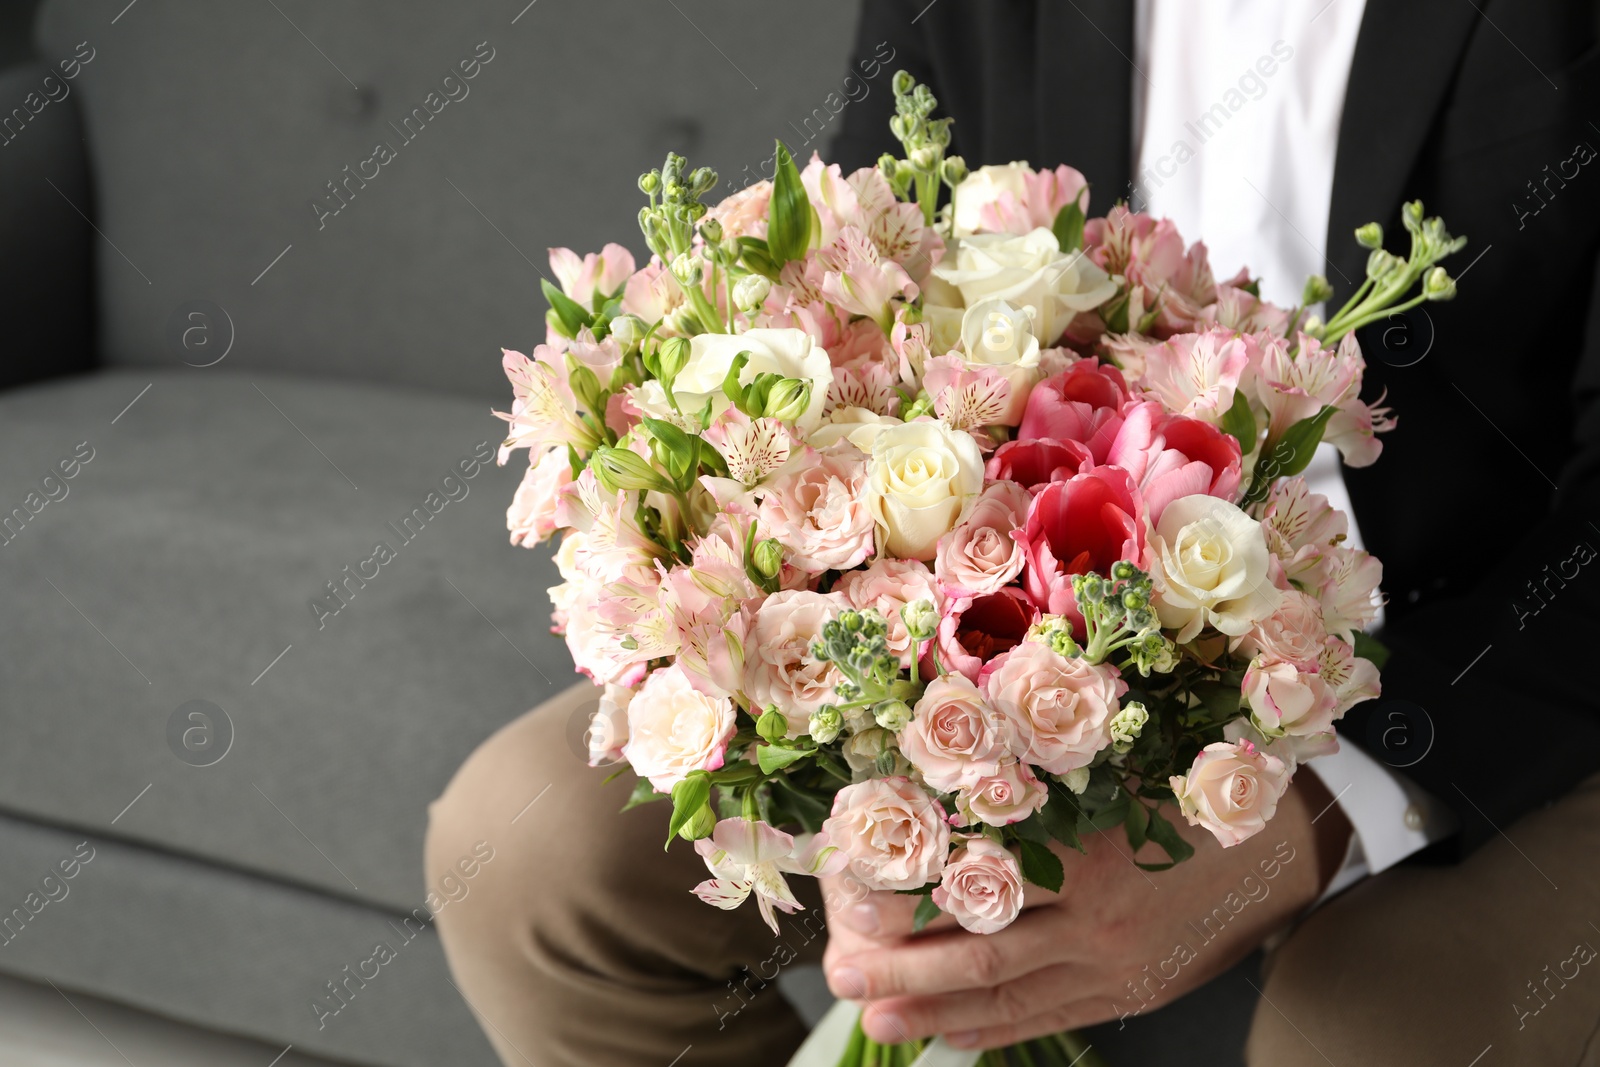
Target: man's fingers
(975, 1010)
(949, 962)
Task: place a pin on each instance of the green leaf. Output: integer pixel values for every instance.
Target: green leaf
(688, 797)
(572, 314)
(926, 912)
(1041, 866)
(1240, 422)
(740, 773)
(1290, 455)
(643, 793)
(1369, 647)
(1031, 829)
(920, 891)
(1166, 835)
(788, 212)
(1068, 227)
(1136, 823)
(1059, 816)
(755, 256)
(774, 757)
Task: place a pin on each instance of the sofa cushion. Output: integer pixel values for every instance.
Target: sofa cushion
(188, 558)
(220, 137)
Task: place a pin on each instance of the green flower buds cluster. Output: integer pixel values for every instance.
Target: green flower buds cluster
(767, 395)
(1118, 614)
(1391, 279)
(669, 224)
(857, 642)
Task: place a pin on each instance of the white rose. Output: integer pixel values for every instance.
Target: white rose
(673, 729)
(857, 425)
(920, 479)
(1027, 271)
(1232, 789)
(1209, 566)
(995, 334)
(983, 187)
(791, 353)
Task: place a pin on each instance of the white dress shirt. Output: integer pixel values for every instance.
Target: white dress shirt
(1236, 107)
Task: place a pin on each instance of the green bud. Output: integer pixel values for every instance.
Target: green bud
(1370, 235)
(700, 824)
(1380, 264)
(768, 558)
(671, 357)
(921, 619)
(851, 620)
(788, 400)
(925, 158)
(953, 171)
(888, 166)
(711, 230)
(1076, 780)
(886, 763)
(1128, 723)
(1135, 600)
(618, 469)
(1411, 216)
(1316, 291)
(772, 726)
(892, 715)
(1438, 285)
(686, 268)
(825, 724)
(1123, 571)
(904, 82)
(629, 330)
(650, 182)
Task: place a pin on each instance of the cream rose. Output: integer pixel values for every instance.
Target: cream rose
(778, 666)
(1208, 561)
(1027, 271)
(674, 728)
(893, 832)
(981, 887)
(1007, 797)
(955, 739)
(986, 186)
(920, 479)
(998, 336)
(1059, 708)
(1293, 633)
(857, 425)
(1232, 790)
(791, 353)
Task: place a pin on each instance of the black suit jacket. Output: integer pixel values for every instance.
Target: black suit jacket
(1485, 506)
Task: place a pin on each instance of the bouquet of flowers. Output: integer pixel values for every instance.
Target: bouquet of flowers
(908, 540)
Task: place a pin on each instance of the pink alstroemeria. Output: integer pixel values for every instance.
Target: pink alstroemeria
(1297, 386)
(600, 274)
(543, 409)
(750, 857)
(1197, 374)
(859, 280)
(867, 385)
(1044, 194)
(752, 448)
(967, 397)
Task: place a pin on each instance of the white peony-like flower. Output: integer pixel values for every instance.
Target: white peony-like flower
(920, 479)
(1209, 567)
(673, 729)
(791, 353)
(1026, 271)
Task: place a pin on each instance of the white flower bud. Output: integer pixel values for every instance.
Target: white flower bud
(750, 292)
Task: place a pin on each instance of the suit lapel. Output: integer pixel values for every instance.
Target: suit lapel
(1084, 67)
(1406, 56)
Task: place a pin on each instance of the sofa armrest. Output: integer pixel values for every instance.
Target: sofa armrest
(46, 253)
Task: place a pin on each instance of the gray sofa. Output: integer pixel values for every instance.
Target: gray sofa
(254, 381)
(246, 348)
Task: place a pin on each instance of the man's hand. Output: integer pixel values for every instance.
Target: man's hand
(1114, 942)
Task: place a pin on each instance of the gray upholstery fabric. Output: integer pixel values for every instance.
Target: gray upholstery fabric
(193, 543)
(213, 126)
(228, 951)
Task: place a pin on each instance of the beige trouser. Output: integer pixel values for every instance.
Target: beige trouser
(579, 944)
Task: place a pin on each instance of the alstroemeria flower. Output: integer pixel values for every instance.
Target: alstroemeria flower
(602, 274)
(859, 280)
(750, 857)
(543, 410)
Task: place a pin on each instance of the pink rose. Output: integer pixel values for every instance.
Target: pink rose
(1286, 699)
(981, 886)
(778, 666)
(887, 586)
(1060, 708)
(980, 555)
(1292, 634)
(1172, 456)
(674, 728)
(819, 511)
(955, 738)
(1004, 798)
(1080, 404)
(1034, 462)
(893, 832)
(744, 213)
(1083, 524)
(532, 515)
(974, 630)
(1232, 790)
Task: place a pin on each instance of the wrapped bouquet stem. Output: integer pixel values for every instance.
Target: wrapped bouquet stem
(920, 541)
